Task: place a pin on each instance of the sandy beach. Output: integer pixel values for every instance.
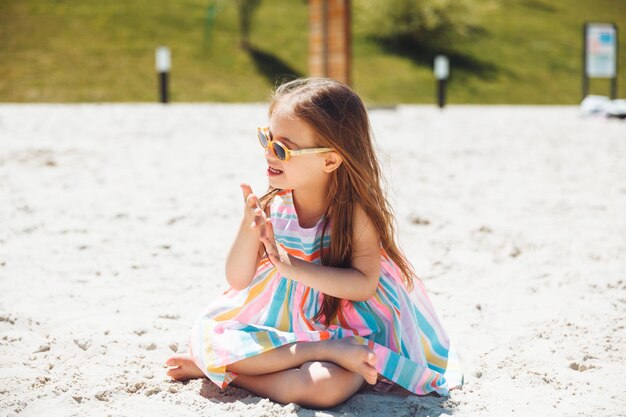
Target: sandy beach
(115, 221)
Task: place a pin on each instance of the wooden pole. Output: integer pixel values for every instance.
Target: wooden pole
(330, 39)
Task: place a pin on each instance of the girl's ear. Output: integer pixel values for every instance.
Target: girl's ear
(332, 161)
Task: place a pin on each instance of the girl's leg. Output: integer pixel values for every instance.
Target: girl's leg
(346, 353)
(314, 384)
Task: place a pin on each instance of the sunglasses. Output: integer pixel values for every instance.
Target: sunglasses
(280, 150)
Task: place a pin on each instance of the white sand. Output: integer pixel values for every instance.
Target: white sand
(115, 221)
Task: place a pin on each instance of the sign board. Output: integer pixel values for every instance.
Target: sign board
(600, 50)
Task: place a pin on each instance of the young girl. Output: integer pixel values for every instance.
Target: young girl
(321, 299)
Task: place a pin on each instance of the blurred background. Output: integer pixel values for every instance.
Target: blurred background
(501, 51)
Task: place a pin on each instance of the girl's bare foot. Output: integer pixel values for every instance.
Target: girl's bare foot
(355, 357)
(183, 368)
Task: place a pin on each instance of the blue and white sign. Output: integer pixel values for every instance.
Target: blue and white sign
(601, 50)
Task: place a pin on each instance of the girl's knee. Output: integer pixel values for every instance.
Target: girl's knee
(326, 385)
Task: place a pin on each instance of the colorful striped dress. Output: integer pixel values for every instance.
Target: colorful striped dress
(402, 328)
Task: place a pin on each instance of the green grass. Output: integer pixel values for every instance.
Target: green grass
(528, 51)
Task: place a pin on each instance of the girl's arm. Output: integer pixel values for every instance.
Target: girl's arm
(357, 283)
(244, 255)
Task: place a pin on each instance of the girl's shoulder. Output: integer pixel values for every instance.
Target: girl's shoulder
(359, 212)
(362, 224)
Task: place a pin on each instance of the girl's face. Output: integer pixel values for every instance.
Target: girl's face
(300, 171)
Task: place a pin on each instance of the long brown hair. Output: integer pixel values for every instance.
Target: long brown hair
(340, 120)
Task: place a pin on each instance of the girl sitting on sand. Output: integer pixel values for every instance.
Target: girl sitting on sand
(321, 298)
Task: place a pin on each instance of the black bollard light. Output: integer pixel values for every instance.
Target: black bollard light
(442, 71)
(163, 65)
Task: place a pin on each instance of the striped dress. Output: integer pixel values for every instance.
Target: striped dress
(402, 328)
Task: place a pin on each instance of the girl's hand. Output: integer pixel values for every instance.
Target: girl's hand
(254, 215)
(251, 202)
(260, 223)
(276, 253)
(246, 251)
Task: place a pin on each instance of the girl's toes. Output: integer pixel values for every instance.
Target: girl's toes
(174, 361)
(373, 377)
(175, 373)
(370, 375)
(369, 372)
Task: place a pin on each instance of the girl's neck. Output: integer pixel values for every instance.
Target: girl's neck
(309, 205)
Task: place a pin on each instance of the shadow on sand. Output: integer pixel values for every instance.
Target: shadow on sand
(231, 394)
(271, 67)
(364, 404)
